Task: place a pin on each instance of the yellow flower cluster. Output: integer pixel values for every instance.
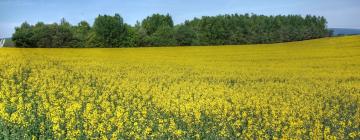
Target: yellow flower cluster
(300, 90)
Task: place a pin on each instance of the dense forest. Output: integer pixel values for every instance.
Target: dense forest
(160, 30)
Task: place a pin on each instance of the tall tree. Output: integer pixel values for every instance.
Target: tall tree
(111, 31)
(152, 23)
(159, 30)
(23, 36)
(81, 33)
(164, 36)
(185, 36)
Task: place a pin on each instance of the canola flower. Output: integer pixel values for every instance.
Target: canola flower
(299, 90)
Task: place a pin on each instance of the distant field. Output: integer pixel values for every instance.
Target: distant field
(300, 90)
(345, 31)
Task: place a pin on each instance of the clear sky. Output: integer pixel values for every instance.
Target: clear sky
(339, 13)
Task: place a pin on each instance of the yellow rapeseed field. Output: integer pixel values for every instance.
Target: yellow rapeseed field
(300, 90)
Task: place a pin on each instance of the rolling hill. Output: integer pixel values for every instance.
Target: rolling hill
(300, 90)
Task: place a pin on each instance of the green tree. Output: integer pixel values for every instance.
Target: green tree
(159, 30)
(152, 23)
(185, 36)
(23, 35)
(164, 36)
(81, 33)
(112, 32)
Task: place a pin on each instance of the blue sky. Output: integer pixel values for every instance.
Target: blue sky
(340, 13)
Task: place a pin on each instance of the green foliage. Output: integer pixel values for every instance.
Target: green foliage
(251, 29)
(159, 30)
(152, 23)
(164, 36)
(93, 41)
(112, 31)
(185, 36)
(23, 35)
(45, 35)
(81, 33)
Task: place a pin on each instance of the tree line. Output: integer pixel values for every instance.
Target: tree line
(160, 30)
